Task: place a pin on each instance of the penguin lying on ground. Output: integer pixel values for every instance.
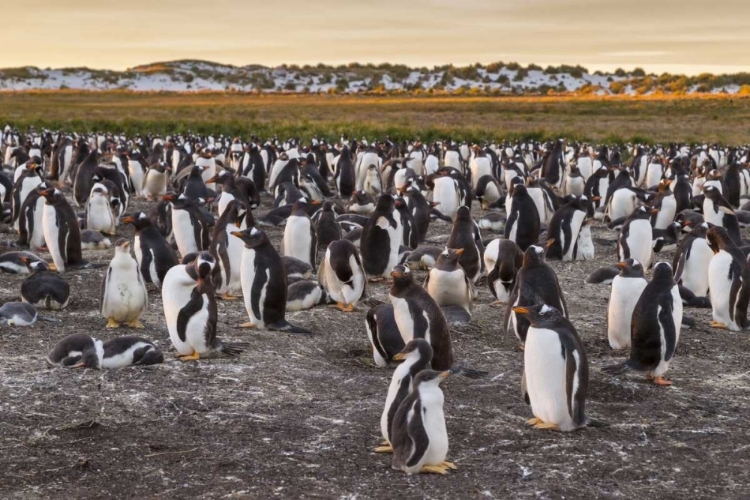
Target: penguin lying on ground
(14, 263)
(130, 351)
(304, 294)
(94, 240)
(21, 314)
(384, 335)
(43, 288)
(296, 269)
(77, 351)
(555, 370)
(603, 275)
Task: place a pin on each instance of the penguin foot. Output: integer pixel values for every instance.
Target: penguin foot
(376, 280)
(52, 267)
(449, 465)
(546, 425)
(347, 308)
(522, 347)
(190, 357)
(660, 380)
(433, 469)
(111, 323)
(533, 421)
(135, 324)
(717, 324)
(384, 449)
(249, 324)
(228, 296)
(497, 303)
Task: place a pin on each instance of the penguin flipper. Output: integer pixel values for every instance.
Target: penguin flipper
(48, 319)
(617, 369)
(511, 300)
(284, 326)
(233, 348)
(524, 389)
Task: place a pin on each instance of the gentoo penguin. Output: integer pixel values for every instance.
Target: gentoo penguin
(22, 187)
(555, 370)
(30, 225)
(264, 283)
(227, 249)
(385, 337)
(191, 312)
(300, 240)
(43, 288)
(405, 221)
(666, 202)
(99, 215)
(130, 351)
(635, 238)
(465, 235)
(155, 183)
(124, 297)
(152, 252)
(501, 278)
(423, 258)
(692, 259)
(61, 230)
(655, 330)
(718, 211)
(327, 229)
(416, 356)
(361, 202)
(627, 287)
(421, 209)
(342, 275)
(522, 226)
(16, 262)
(574, 182)
(603, 276)
(381, 239)
(303, 294)
(94, 240)
(728, 281)
(77, 351)
(564, 228)
(536, 282)
(419, 317)
(419, 436)
(191, 233)
(233, 188)
(295, 268)
(448, 284)
(21, 314)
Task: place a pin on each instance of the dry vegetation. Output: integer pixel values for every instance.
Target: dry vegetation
(705, 118)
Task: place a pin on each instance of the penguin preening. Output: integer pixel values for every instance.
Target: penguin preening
(124, 296)
(381, 239)
(384, 335)
(43, 288)
(501, 278)
(77, 351)
(465, 235)
(342, 275)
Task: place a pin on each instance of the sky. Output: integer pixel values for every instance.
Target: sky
(677, 36)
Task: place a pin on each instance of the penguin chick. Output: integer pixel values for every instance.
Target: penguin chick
(124, 297)
(44, 288)
(130, 351)
(447, 282)
(77, 351)
(304, 294)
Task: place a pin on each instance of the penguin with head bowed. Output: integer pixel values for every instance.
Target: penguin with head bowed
(692, 259)
(627, 287)
(300, 240)
(361, 202)
(655, 328)
(62, 232)
(381, 239)
(77, 351)
(327, 229)
(502, 275)
(130, 351)
(448, 284)
(466, 236)
(423, 258)
(383, 333)
(418, 435)
(419, 317)
(342, 275)
(303, 294)
(718, 211)
(522, 226)
(264, 283)
(421, 209)
(555, 370)
(191, 312)
(21, 314)
(124, 297)
(152, 251)
(565, 227)
(536, 282)
(191, 232)
(44, 288)
(728, 281)
(636, 236)
(416, 356)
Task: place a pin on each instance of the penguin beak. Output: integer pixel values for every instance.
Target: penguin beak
(621, 265)
(128, 220)
(316, 202)
(445, 374)
(520, 310)
(396, 274)
(212, 179)
(400, 356)
(655, 211)
(78, 365)
(549, 243)
(46, 192)
(237, 234)
(23, 259)
(459, 251)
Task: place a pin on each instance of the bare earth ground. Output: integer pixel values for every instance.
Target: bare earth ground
(299, 416)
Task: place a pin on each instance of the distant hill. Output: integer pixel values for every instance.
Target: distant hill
(496, 78)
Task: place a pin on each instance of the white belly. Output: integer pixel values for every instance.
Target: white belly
(248, 276)
(711, 215)
(124, 358)
(677, 318)
(343, 292)
(51, 236)
(653, 175)
(622, 301)
(719, 288)
(622, 204)
(235, 248)
(403, 318)
(36, 238)
(639, 241)
(182, 229)
(446, 196)
(695, 274)
(449, 288)
(667, 213)
(544, 367)
(575, 228)
(479, 168)
(586, 167)
(490, 254)
(434, 424)
(125, 298)
(224, 200)
(155, 184)
(99, 215)
(176, 292)
(297, 241)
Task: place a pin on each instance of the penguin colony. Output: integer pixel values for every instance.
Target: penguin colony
(356, 213)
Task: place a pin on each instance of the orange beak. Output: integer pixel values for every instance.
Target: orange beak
(396, 274)
(621, 265)
(316, 202)
(520, 310)
(129, 219)
(549, 243)
(212, 179)
(459, 251)
(169, 197)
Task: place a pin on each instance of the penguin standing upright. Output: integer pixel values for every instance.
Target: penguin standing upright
(718, 211)
(152, 252)
(383, 333)
(124, 297)
(501, 279)
(555, 370)
(419, 435)
(99, 215)
(342, 275)
(27, 182)
(666, 202)
(419, 317)
(191, 233)
(155, 182)
(327, 229)
(191, 312)
(416, 356)
(627, 287)
(536, 282)
(522, 226)
(420, 210)
(655, 330)
(448, 284)
(410, 237)
(227, 249)
(30, 225)
(300, 240)
(635, 238)
(565, 227)
(728, 281)
(380, 241)
(62, 232)
(264, 283)
(692, 259)
(466, 236)
(43, 288)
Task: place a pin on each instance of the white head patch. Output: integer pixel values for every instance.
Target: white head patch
(407, 270)
(182, 197)
(538, 249)
(143, 216)
(545, 309)
(254, 231)
(705, 224)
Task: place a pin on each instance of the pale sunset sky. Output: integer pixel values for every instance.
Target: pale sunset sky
(678, 36)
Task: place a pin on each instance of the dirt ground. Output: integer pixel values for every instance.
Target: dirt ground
(298, 416)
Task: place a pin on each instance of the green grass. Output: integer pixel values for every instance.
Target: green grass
(611, 119)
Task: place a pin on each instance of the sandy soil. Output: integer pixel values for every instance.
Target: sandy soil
(298, 417)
